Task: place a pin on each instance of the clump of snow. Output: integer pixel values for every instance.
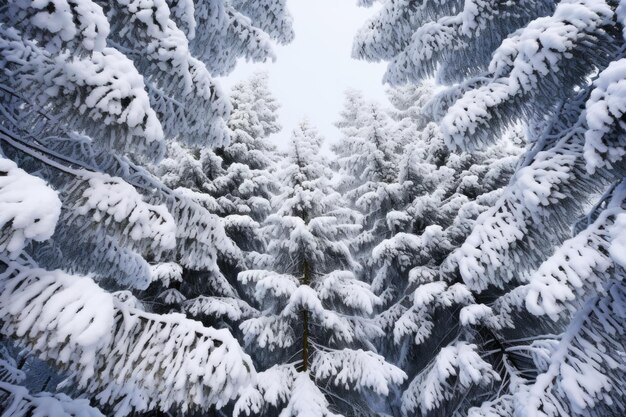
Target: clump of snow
(29, 208)
(356, 370)
(167, 273)
(63, 21)
(219, 307)
(115, 92)
(454, 371)
(21, 403)
(604, 138)
(112, 200)
(618, 242)
(270, 388)
(306, 400)
(475, 314)
(343, 287)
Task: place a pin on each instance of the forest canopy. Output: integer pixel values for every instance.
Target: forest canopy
(458, 250)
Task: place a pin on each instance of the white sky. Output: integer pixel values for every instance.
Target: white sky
(311, 74)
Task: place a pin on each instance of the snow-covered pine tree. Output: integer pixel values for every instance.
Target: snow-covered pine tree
(366, 156)
(91, 92)
(236, 183)
(313, 339)
(442, 194)
(544, 263)
(350, 114)
(246, 187)
(449, 192)
(420, 212)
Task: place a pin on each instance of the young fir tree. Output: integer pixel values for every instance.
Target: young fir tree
(313, 339)
(543, 335)
(92, 92)
(245, 188)
(366, 157)
(234, 182)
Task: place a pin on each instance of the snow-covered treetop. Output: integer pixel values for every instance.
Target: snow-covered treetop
(368, 154)
(351, 111)
(305, 145)
(253, 119)
(254, 107)
(306, 177)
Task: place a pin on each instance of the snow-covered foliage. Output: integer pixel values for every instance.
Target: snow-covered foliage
(127, 358)
(455, 371)
(539, 257)
(421, 212)
(30, 209)
(366, 157)
(269, 15)
(284, 384)
(237, 177)
(604, 144)
(462, 254)
(417, 215)
(17, 400)
(236, 183)
(316, 314)
(357, 369)
(93, 93)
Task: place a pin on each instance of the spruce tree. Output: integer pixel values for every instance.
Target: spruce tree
(236, 183)
(313, 340)
(542, 334)
(433, 200)
(366, 157)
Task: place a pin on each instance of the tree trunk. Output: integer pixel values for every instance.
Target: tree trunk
(306, 279)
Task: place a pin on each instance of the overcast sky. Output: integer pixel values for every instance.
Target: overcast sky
(310, 74)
